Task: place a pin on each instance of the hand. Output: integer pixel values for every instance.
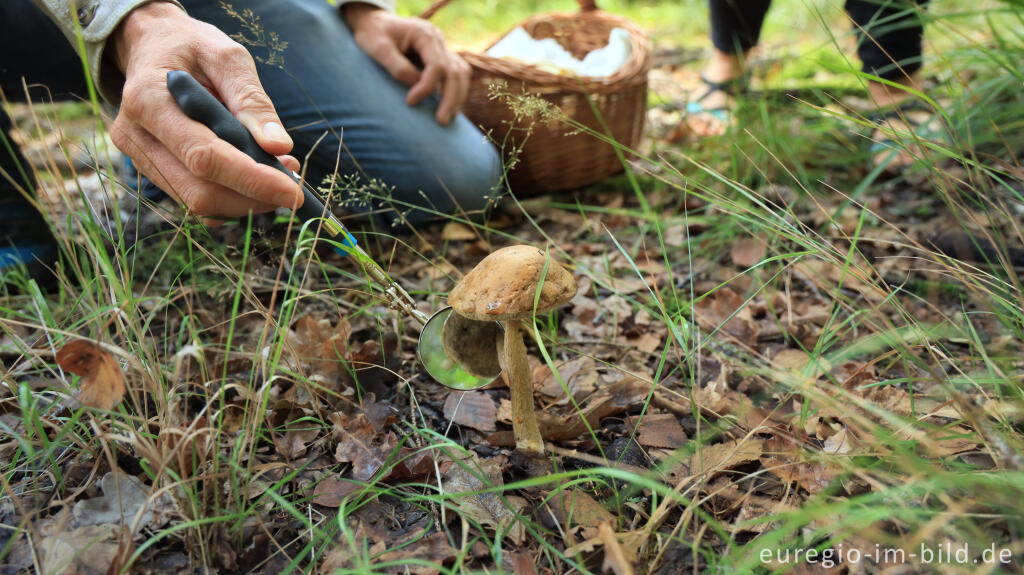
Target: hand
(388, 38)
(183, 157)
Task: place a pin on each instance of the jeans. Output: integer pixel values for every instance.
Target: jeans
(340, 107)
(889, 32)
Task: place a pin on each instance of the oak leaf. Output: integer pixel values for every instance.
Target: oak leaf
(102, 385)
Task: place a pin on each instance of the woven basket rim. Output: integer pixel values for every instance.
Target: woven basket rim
(633, 72)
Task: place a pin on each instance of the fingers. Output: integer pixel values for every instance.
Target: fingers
(400, 68)
(202, 197)
(444, 72)
(182, 156)
(426, 40)
(455, 92)
(194, 146)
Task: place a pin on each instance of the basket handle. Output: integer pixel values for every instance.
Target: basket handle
(585, 6)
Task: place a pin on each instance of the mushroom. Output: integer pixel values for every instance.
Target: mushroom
(510, 285)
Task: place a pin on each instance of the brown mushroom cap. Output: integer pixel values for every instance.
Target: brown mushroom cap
(504, 284)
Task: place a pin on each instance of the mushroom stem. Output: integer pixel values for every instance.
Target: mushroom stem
(524, 420)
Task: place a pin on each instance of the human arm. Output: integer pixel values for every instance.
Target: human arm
(183, 157)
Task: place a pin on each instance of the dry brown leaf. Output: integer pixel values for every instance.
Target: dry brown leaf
(102, 385)
(748, 252)
(433, 549)
(359, 444)
(464, 482)
(576, 507)
(787, 460)
(829, 275)
(792, 359)
(88, 550)
(839, 442)
(473, 409)
(124, 497)
(617, 558)
(718, 311)
(711, 459)
(454, 231)
(648, 341)
(332, 490)
(520, 563)
(579, 374)
(319, 346)
(943, 442)
(657, 430)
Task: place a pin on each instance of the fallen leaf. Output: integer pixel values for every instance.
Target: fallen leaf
(86, 550)
(520, 563)
(102, 385)
(838, 442)
(576, 507)
(657, 430)
(319, 346)
(711, 459)
(473, 409)
(332, 490)
(379, 414)
(828, 275)
(748, 252)
(787, 460)
(359, 444)
(617, 558)
(489, 509)
(578, 374)
(723, 309)
(454, 231)
(124, 499)
(432, 549)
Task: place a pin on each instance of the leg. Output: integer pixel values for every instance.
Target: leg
(889, 35)
(34, 53)
(736, 24)
(889, 45)
(735, 29)
(324, 86)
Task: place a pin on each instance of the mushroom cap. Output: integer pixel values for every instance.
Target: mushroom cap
(504, 284)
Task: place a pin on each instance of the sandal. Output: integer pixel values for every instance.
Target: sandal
(720, 114)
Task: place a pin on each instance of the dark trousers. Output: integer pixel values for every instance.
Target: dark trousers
(889, 32)
(33, 50)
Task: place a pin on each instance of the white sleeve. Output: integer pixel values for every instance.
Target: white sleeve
(97, 20)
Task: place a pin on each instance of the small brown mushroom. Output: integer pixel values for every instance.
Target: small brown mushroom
(510, 285)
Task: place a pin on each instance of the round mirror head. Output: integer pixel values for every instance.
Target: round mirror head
(438, 363)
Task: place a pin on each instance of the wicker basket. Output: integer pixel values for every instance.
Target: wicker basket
(554, 155)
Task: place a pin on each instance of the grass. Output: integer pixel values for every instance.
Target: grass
(235, 415)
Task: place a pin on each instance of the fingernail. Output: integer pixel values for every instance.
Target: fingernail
(276, 132)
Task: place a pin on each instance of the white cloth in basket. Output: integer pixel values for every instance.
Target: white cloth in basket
(549, 55)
